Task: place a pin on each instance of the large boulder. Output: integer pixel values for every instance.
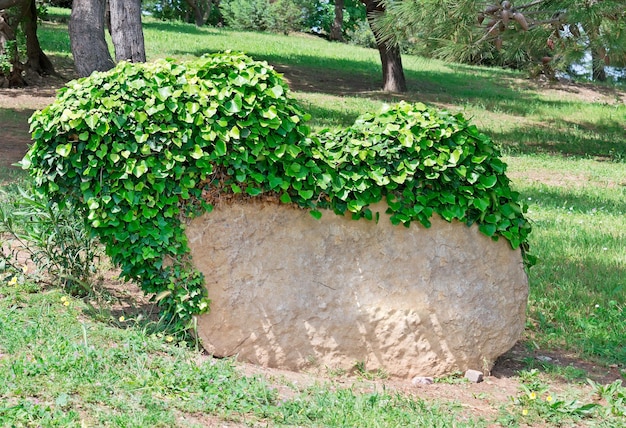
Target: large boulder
(290, 291)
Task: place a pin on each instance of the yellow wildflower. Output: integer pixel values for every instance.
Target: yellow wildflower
(13, 281)
(66, 303)
(122, 318)
(532, 396)
(549, 398)
(169, 339)
(524, 412)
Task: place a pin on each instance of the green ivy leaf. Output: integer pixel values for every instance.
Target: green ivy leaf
(220, 148)
(64, 150)
(315, 214)
(488, 181)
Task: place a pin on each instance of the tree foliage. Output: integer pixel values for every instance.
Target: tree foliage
(200, 12)
(553, 34)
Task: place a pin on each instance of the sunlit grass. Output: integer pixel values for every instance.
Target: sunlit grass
(59, 367)
(578, 288)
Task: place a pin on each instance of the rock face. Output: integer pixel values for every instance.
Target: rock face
(292, 292)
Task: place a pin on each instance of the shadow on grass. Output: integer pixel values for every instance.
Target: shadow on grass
(525, 356)
(180, 27)
(359, 78)
(554, 198)
(327, 118)
(606, 143)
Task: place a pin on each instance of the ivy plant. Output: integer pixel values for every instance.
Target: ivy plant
(142, 147)
(136, 147)
(422, 161)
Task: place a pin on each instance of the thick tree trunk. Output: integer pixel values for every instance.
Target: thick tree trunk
(393, 73)
(37, 59)
(86, 29)
(9, 74)
(126, 30)
(6, 32)
(5, 4)
(197, 12)
(336, 32)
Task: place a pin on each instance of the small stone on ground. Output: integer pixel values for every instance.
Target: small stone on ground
(474, 376)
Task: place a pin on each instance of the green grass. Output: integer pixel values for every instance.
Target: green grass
(59, 367)
(566, 151)
(578, 287)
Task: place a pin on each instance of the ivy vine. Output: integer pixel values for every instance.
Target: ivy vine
(142, 147)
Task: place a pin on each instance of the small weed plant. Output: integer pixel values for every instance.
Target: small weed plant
(538, 403)
(53, 238)
(140, 149)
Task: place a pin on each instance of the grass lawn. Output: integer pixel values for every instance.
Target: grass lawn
(65, 363)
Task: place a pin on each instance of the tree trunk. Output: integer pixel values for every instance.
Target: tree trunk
(393, 73)
(11, 71)
(197, 12)
(598, 61)
(126, 30)
(336, 32)
(86, 29)
(37, 59)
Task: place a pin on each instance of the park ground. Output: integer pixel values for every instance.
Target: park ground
(499, 400)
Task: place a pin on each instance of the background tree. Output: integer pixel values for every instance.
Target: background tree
(86, 28)
(199, 12)
(20, 17)
(388, 48)
(336, 30)
(549, 34)
(126, 30)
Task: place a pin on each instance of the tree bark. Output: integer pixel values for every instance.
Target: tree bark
(197, 12)
(390, 58)
(13, 76)
(86, 29)
(598, 62)
(336, 32)
(126, 30)
(37, 59)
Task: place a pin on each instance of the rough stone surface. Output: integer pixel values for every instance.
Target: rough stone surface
(292, 292)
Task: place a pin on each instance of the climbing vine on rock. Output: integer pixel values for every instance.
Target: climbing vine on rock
(136, 146)
(423, 161)
(142, 147)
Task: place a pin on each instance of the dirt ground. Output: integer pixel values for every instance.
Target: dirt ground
(478, 400)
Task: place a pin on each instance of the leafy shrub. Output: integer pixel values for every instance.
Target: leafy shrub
(144, 146)
(361, 35)
(281, 16)
(253, 15)
(53, 238)
(286, 16)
